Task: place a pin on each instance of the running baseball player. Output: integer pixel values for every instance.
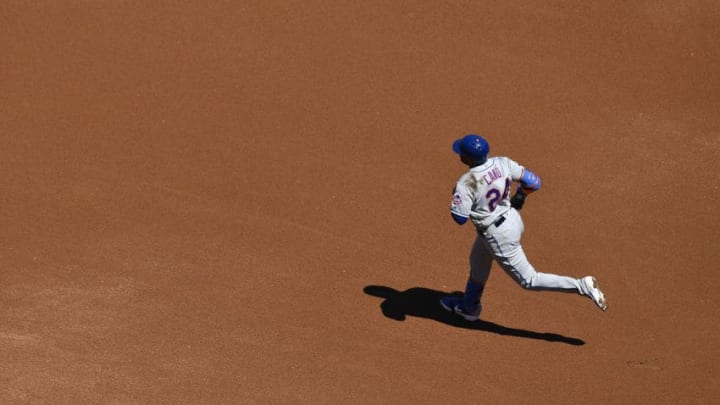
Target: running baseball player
(483, 195)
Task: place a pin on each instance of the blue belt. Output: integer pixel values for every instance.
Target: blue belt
(499, 221)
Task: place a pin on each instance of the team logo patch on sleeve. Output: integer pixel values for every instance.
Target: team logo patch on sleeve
(456, 201)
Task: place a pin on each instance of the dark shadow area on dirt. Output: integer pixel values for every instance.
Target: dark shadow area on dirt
(425, 303)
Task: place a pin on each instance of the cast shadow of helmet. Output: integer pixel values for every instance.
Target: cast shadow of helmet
(425, 303)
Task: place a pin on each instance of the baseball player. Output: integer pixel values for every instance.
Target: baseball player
(483, 195)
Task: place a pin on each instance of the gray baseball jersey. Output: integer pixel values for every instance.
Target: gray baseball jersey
(483, 193)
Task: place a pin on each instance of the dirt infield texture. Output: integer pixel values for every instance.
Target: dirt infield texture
(246, 202)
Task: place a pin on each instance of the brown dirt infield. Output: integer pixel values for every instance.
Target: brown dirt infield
(247, 202)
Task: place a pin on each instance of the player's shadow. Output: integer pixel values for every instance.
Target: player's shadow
(425, 303)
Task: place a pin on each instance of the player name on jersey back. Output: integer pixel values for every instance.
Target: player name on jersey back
(491, 175)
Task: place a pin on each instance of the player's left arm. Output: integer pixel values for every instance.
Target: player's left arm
(460, 205)
(459, 219)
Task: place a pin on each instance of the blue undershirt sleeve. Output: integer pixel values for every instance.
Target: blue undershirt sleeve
(460, 220)
(530, 180)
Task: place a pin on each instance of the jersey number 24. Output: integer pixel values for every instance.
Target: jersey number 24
(493, 195)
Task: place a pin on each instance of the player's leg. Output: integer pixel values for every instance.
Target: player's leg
(516, 264)
(505, 245)
(480, 263)
(468, 306)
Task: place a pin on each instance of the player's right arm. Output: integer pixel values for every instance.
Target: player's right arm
(529, 182)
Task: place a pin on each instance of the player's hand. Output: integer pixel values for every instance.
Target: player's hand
(518, 200)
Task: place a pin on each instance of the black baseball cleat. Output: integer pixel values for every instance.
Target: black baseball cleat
(456, 305)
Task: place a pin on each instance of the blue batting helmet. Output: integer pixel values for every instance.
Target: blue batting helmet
(472, 146)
